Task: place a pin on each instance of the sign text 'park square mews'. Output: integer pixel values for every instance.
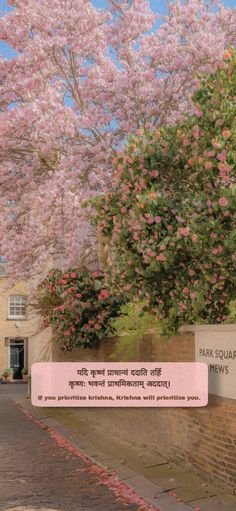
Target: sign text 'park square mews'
(216, 345)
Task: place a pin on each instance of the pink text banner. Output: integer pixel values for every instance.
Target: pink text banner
(132, 384)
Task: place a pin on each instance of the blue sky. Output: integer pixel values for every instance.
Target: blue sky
(157, 6)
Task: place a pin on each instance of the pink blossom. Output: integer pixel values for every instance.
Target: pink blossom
(224, 167)
(226, 134)
(186, 290)
(222, 156)
(196, 131)
(184, 231)
(223, 201)
(216, 144)
(96, 274)
(154, 173)
(161, 257)
(211, 154)
(139, 72)
(60, 308)
(105, 293)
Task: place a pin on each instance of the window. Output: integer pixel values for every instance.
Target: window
(17, 307)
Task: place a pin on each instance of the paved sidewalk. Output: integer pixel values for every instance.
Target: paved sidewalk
(40, 471)
(165, 486)
(162, 484)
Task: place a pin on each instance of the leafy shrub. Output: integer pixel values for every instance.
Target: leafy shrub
(172, 211)
(78, 307)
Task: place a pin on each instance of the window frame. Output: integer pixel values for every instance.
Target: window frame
(21, 304)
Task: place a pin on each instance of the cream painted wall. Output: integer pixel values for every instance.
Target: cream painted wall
(38, 345)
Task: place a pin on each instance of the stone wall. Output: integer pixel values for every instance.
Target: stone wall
(203, 438)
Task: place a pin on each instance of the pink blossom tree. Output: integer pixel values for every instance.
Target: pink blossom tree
(82, 80)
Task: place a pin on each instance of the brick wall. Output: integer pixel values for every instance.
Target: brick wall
(203, 438)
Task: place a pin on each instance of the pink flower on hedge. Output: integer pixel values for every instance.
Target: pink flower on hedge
(78, 295)
(194, 238)
(161, 257)
(67, 332)
(211, 154)
(185, 290)
(223, 201)
(224, 178)
(184, 231)
(213, 280)
(96, 274)
(226, 134)
(105, 293)
(215, 144)
(127, 287)
(154, 173)
(59, 308)
(208, 165)
(222, 156)
(64, 282)
(157, 219)
(179, 219)
(196, 131)
(224, 167)
(97, 326)
(73, 275)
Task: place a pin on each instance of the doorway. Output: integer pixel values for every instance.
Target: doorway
(17, 357)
